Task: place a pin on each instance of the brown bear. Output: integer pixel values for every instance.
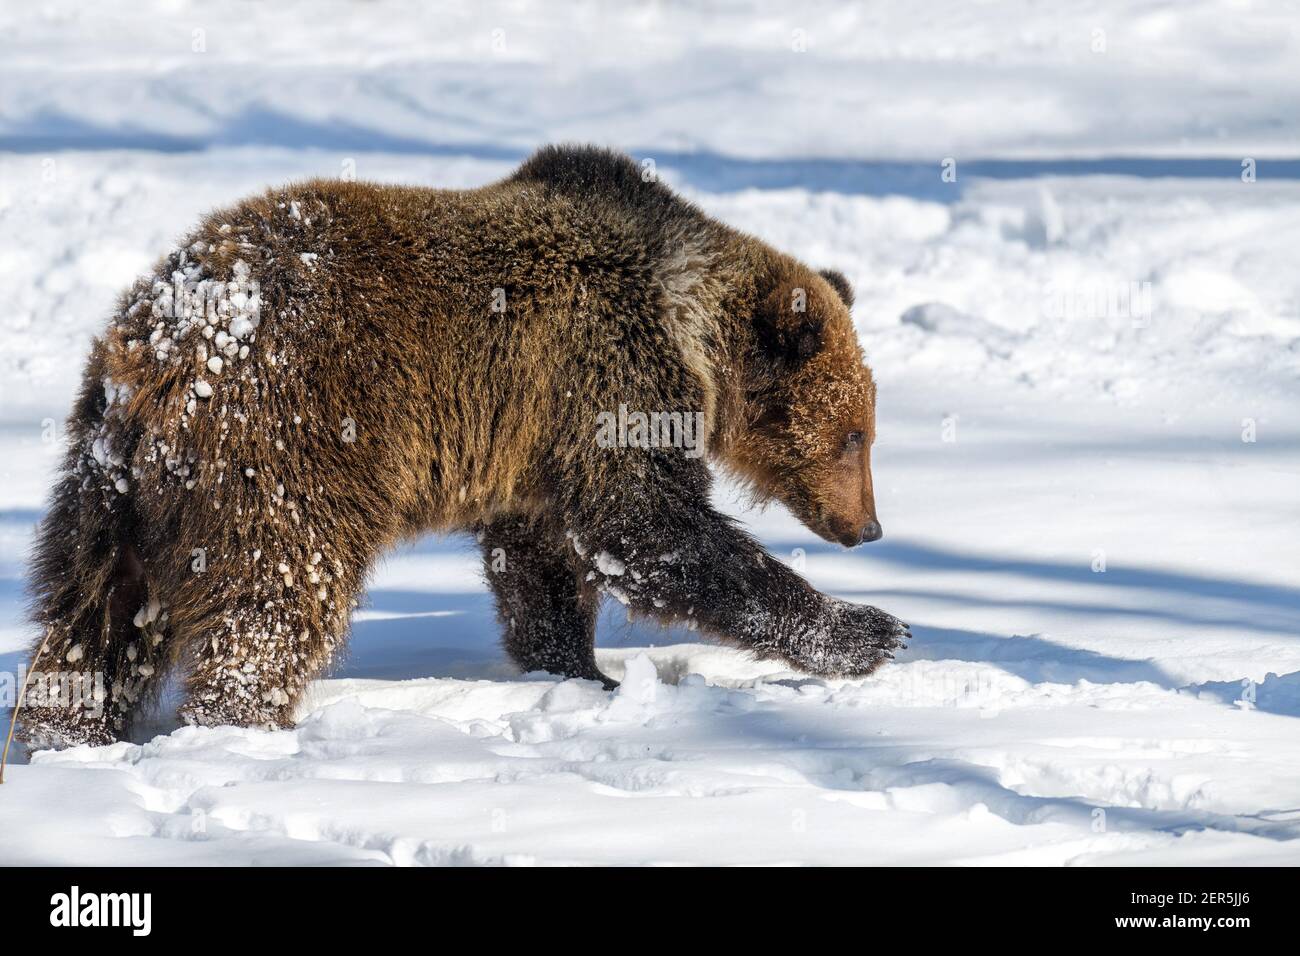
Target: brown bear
(549, 361)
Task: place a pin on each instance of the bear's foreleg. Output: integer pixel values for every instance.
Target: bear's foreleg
(547, 613)
(673, 557)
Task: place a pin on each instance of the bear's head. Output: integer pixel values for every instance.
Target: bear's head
(810, 407)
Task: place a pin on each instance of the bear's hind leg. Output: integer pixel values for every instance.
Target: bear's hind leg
(252, 654)
(105, 640)
(96, 668)
(547, 611)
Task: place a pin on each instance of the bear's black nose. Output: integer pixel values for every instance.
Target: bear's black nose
(872, 531)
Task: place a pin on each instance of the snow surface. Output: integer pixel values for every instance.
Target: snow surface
(1075, 343)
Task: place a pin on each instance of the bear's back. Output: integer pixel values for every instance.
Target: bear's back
(595, 176)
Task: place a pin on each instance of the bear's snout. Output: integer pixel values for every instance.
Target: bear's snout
(854, 535)
(849, 534)
(847, 514)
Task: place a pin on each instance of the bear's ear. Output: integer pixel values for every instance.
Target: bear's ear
(840, 284)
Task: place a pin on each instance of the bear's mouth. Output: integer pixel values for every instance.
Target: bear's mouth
(832, 528)
(848, 538)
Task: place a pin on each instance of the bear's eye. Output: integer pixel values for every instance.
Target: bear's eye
(852, 442)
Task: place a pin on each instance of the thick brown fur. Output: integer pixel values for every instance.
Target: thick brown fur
(331, 367)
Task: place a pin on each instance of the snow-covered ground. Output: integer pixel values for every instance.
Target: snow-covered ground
(1088, 349)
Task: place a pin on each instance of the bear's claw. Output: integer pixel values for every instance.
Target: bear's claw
(851, 640)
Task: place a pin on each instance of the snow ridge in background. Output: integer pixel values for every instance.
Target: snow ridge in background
(1088, 350)
(1199, 77)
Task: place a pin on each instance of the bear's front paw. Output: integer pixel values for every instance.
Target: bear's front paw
(849, 640)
